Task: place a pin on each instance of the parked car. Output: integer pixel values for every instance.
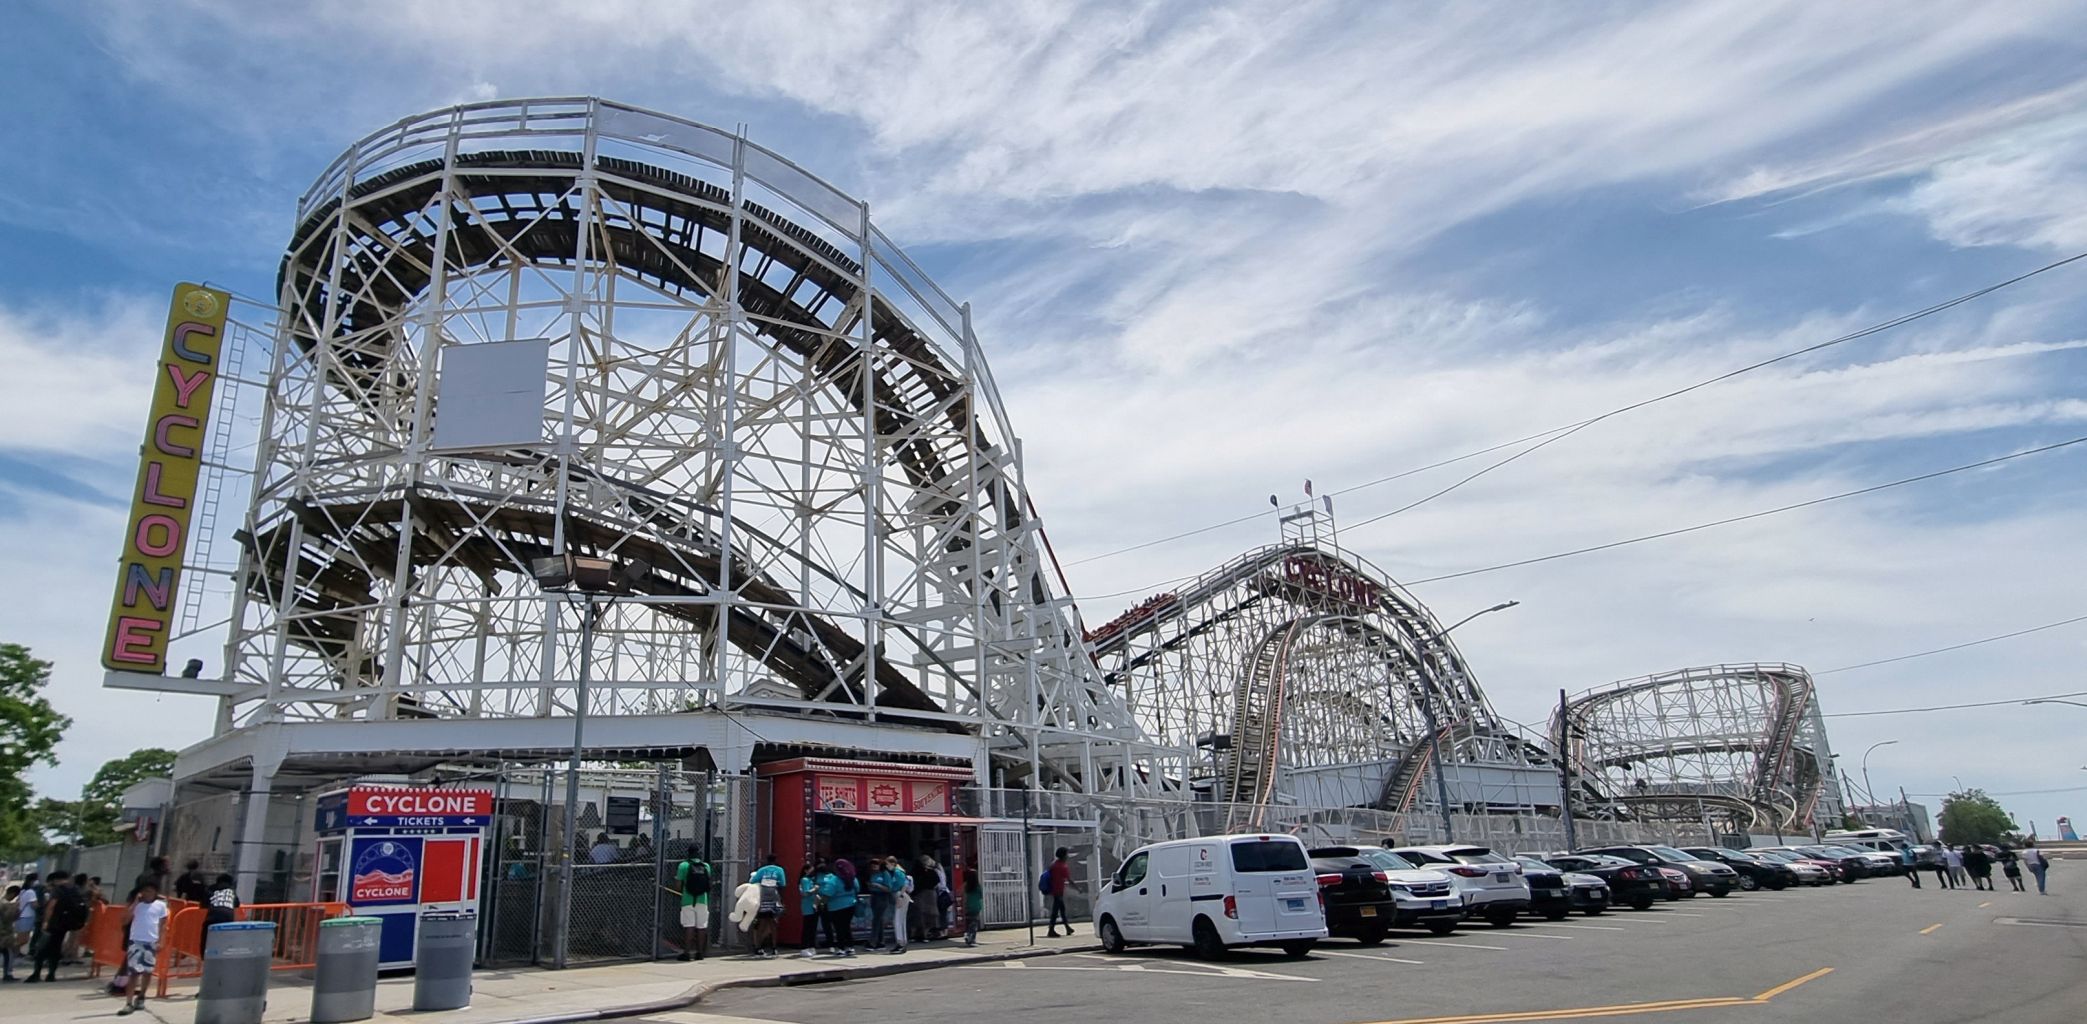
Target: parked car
(1706, 876)
(1831, 865)
(1491, 886)
(1853, 865)
(1212, 894)
(1369, 890)
(1632, 884)
(1808, 872)
(1555, 892)
(1754, 873)
(1874, 863)
(1679, 885)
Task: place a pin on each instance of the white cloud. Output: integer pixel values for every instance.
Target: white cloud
(91, 378)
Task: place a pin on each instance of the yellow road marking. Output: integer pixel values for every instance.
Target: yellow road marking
(1929, 929)
(1618, 1010)
(1792, 983)
(1986, 904)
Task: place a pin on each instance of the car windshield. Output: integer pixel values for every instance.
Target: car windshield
(1267, 855)
(1671, 855)
(1385, 860)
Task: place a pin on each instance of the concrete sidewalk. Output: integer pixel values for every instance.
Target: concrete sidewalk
(532, 996)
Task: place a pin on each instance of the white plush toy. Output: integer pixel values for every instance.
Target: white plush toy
(746, 903)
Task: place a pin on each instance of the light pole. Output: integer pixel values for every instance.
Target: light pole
(1427, 712)
(589, 577)
(1869, 795)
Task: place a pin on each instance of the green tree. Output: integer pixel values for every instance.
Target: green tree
(1973, 817)
(101, 802)
(29, 730)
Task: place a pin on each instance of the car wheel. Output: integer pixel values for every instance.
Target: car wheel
(1501, 919)
(1442, 927)
(1557, 914)
(1779, 885)
(1208, 945)
(1111, 936)
(1720, 894)
(1594, 911)
(1297, 950)
(1644, 903)
(1747, 883)
(1372, 935)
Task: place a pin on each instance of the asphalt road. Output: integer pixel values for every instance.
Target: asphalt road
(1875, 951)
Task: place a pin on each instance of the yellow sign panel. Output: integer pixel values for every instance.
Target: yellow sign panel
(169, 463)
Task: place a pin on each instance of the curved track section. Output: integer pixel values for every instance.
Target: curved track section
(1740, 745)
(745, 387)
(1300, 675)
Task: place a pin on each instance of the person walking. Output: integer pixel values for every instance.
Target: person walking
(1953, 856)
(2038, 865)
(23, 934)
(839, 888)
(929, 890)
(1979, 865)
(10, 910)
(692, 884)
(974, 904)
(2011, 866)
(148, 914)
(1060, 880)
(1912, 862)
(901, 905)
(64, 910)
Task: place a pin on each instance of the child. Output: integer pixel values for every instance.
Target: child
(974, 904)
(148, 914)
(223, 901)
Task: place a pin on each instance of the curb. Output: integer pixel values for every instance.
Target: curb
(703, 990)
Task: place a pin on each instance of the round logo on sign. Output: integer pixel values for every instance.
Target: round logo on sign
(199, 303)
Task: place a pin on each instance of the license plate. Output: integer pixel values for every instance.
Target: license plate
(1441, 904)
(1554, 892)
(1369, 911)
(1289, 904)
(1503, 876)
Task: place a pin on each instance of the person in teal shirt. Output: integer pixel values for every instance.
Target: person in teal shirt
(808, 904)
(893, 880)
(836, 892)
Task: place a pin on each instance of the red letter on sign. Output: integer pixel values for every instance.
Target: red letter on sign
(134, 640)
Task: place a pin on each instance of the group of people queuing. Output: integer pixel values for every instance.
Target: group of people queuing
(1974, 862)
(907, 902)
(49, 914)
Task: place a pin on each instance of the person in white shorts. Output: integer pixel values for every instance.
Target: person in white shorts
(148, 916)
(692, 881)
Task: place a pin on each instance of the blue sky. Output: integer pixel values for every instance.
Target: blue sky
(1336, 246)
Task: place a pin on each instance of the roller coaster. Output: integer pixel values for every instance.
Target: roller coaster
(1740, 747)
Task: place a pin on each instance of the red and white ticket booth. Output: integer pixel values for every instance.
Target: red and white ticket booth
(391, 852)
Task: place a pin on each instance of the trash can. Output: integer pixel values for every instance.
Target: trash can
(442, 955)
(344, 980)
(236, 959)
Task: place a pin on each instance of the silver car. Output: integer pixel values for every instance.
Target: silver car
(1491, 886)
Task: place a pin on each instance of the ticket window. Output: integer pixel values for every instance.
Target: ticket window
(326, 874)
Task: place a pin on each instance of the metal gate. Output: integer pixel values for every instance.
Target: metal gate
(1004, 872)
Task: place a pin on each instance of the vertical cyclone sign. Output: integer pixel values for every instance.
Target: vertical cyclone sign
(169, 463)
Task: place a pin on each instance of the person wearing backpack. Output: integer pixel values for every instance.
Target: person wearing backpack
(65, 911)
(692, 883)
(1056, 880)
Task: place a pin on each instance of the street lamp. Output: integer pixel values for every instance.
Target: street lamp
(1427, 711)
(1868, 794)
(590, 577)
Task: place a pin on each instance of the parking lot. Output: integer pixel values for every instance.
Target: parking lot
(1875, 949)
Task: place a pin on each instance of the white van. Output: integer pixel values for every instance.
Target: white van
(1880, 840)
(1214, 893)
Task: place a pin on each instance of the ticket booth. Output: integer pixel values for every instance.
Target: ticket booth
(391, 852)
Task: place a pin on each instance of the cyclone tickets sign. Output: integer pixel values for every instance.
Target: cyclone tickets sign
(405, 802)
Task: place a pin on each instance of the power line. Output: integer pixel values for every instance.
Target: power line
(1954, 647)
(1751, 515)
(2018, 792)
(1560, 433)
(1951, 707)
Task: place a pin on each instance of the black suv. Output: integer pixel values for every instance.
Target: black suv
(1632, 884)
(1754, 873)
(1706, 876)
(1358, 898)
